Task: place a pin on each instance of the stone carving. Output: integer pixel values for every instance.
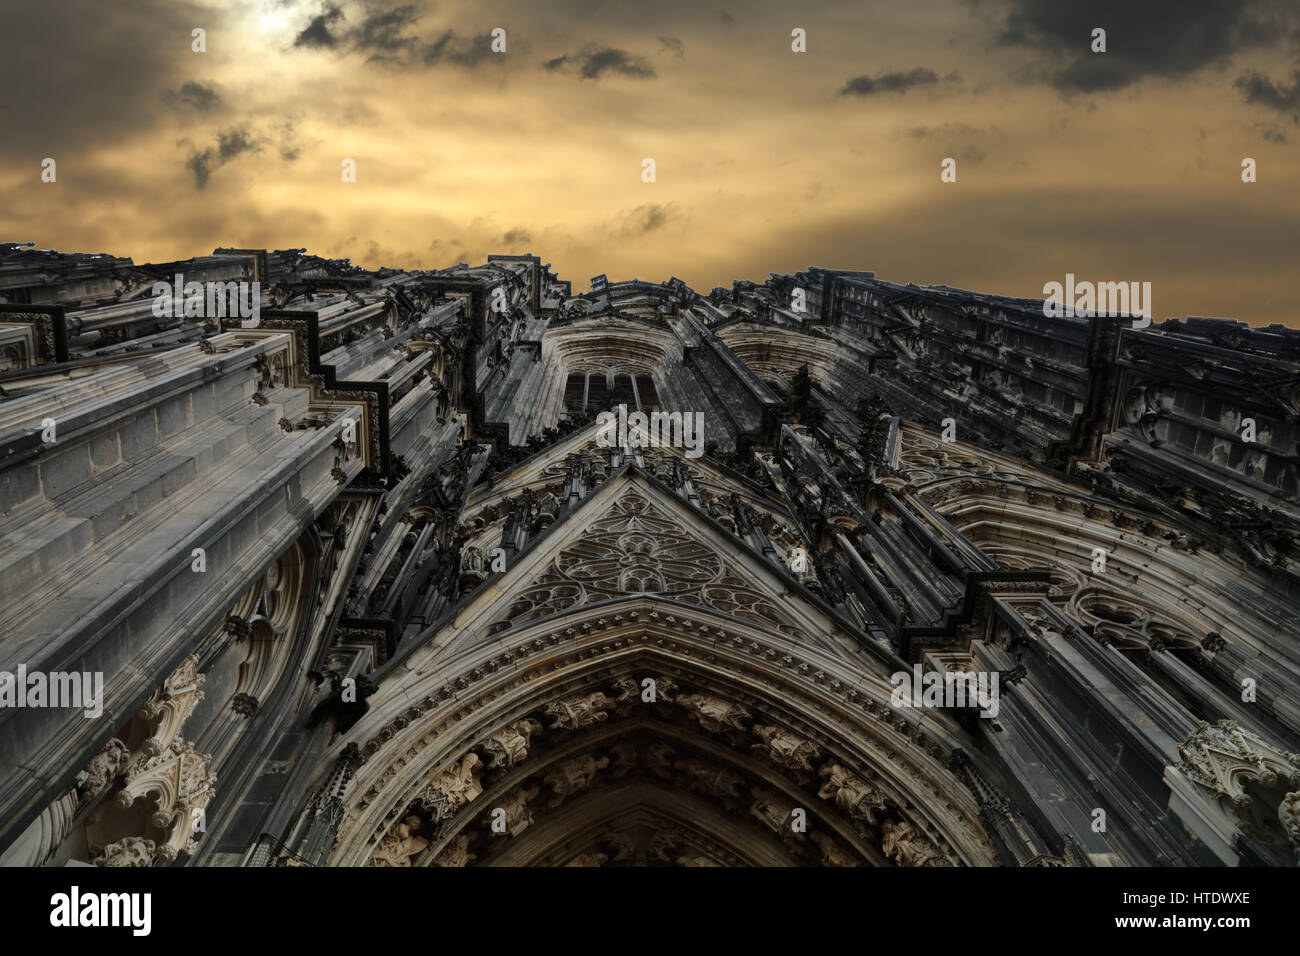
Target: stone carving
(171, 704)
(1288, 813)
(518, 817)
(711, 779)
(907, 846)
(589, 859)
(773, 811)
(548, 509)
(456, 853)
(1223, 757)
(832, 854)
(714, 713)
(624, 756)
(401, 844)
(662, 844)
(102, 770)
(786, 749)
(574, 776)
(179, 782)
(695, 861)
(853, 795)
(509, 746)
(473, 568)
(659, 760)
(450, 790)
(131, 851)
(582, 710)
(638, 548)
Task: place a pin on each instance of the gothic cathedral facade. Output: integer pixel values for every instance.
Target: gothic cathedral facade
(461, 567)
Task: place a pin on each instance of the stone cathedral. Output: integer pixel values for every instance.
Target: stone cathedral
(369, 580)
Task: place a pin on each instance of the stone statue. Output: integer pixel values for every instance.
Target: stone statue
(518, 817)
(786, 749)
(773, 811)
(473, 568)
(582, 710)
(401, 844)
(509, 746)
(574, 776)
(711, 779)
(907, 846)
(832, 854)
(714, 713)
(853, 795)
(548, 509)
(456, 853)
(624, 756)
(456, 786)
(659, 760)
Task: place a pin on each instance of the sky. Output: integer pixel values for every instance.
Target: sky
(1123, 165)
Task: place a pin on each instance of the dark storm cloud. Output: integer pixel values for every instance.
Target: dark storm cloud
(593, 61)
(451, 47)
(967, 143)
(647, 218)
(83, 73)
(1152, 38)
(672, 45)
(1261, 90)
(898, 82)
(385, 33)
(231, 144)
(1271, 132)
(597, 63)
(197, 96)
(384, 30)
(319, 33)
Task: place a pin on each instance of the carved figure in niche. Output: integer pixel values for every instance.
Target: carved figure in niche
(786, 749)
(456, 853)
(832, 853)
(450, 790)
(473, 568)
(663, 842)
(518, 817)
(548, 509)
(711, 779)
(722, 514)
(574, 776)
(853, 795)
(509, 746)
(583, 710)
(772, 811)
(401, 844)
(907, 846)
(659, 760)
(714, 713)
(624, 756)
